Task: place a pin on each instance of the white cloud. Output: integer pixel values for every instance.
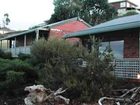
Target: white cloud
(26, 13)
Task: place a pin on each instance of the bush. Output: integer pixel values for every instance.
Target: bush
(5, 55)
(58, 65)
(1, 53)
(23, 56)
(15, 75)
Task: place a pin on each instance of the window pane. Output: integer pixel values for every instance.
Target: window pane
(116, 46)
(103, 46)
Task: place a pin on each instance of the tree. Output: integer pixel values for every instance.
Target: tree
(92, 11)
(60, 64)
(6, 19)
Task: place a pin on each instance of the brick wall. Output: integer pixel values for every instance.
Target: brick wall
(131, 45)
(130, 38)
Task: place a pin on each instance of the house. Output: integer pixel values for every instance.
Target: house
(123, 34)
(124, 6)
(20, 41)
(4, 30)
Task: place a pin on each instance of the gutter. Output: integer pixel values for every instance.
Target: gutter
(99, 30)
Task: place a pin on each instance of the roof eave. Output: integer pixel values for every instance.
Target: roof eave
(94, 31)
(19, 34)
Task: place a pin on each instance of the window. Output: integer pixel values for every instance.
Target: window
(116, 46)
(122, 4)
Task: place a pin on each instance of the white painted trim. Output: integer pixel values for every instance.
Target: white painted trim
(7, 44)
(15, 44)
(139, 43)
(1, 44)
(25, 40)
(37, 35)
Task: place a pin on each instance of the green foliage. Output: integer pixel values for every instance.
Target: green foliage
(5, 55)
(57, 63)
(130, 13)
(53, 59)
(1, 53)
(15, 75)
(6, 19)
(23, 56)
(92, 11)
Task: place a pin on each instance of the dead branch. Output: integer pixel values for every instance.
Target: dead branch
(38, 95)
(126, 98)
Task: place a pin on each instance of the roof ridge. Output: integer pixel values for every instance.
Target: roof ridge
(120, 18)
(86, 23)
(67, 21)
(60, 22)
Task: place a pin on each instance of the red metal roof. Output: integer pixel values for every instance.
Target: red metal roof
(73, 26)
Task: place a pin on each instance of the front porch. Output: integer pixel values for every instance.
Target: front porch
(17, 50)
(21, 42)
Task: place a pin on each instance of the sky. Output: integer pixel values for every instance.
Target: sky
(27, 13)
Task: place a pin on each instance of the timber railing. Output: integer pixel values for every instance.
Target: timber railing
(15, 51)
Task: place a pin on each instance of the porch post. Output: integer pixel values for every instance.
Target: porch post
(15, 47)
(25, 43)
(10, 43)
(7, 44)
(24, 40)
(139, 43)
(15, 42)
(37, 35)
(1, 44)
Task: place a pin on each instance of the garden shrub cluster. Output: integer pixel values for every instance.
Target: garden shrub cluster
(57, 63)
(15, 74)
(5, 55)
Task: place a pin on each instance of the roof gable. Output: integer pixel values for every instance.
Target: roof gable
(66, 21)
(72, 26)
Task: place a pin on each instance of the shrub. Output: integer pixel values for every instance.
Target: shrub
(5, 55)
(57, 62)
(23, 56)
(15, 75)
(1, 53)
